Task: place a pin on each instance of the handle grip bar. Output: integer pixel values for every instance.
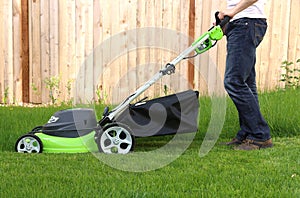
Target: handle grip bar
(220, 22)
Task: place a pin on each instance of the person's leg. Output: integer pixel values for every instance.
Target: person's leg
(239, 80)
(262, 124)
(251, 81)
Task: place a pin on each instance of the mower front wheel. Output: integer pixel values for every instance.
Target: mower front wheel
(29, 144)
(115, 138)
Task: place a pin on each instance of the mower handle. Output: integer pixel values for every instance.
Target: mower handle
(224, 21)
(220, 22)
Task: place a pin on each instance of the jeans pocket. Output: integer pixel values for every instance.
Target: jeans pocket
(260, 31)
(238, 27)
(241, 23)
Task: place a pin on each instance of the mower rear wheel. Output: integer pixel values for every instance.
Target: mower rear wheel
(115, 138)
(29, 144)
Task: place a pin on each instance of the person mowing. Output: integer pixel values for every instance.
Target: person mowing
(244, 33)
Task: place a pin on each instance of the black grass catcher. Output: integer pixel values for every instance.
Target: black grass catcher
(171, 114)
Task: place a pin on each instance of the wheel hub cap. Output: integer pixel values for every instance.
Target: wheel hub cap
(116, 141)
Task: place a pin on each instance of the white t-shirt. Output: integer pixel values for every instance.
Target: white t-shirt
(254, 11)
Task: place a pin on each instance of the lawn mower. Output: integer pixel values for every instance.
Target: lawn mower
(67, 131)
(76, 130)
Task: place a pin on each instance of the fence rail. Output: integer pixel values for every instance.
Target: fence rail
(86, 50)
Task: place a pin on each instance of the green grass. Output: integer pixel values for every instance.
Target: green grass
(224, 172)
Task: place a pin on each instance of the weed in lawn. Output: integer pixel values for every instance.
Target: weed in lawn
(69, 88)
(291, 76)
(5, 96)
(101, 96)
(52, 83)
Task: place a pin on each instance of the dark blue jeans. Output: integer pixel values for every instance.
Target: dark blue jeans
(243, 37)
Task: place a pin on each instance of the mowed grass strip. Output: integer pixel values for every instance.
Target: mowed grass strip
(223, 172)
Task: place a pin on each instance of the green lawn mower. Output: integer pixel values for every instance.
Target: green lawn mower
(77, 131)
(67, 131)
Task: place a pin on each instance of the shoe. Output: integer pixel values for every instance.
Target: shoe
(234, 141)
(254, 145)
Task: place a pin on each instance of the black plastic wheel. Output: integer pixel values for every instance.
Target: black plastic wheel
(115, 138)
(29, 143)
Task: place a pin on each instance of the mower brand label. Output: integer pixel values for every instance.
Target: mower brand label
(53, 119)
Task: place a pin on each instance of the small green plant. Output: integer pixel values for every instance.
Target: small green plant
(52, 83)
(69, 88)
(35, 90)
(5, 97)
(101, 97)
(166, 90)
(291, 77)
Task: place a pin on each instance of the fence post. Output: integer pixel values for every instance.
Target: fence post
(25, 51)
(191, 69)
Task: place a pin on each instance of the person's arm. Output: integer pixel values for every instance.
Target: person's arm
(243, 4)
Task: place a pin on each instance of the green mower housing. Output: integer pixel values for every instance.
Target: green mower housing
(67, 131)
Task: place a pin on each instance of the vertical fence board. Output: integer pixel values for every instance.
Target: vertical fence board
(63, 37)
(151, 53)
(106, 55)
(206, 58)
(294, 33)
(174, 81)
(2, 47)
(167, 54)
(296, 37)
(67, 51)
(88, 51)
(116, 47)
(82, 35)
(264, 50)
(45, 48)
(72, 69)
(6, 53)
(25, 51)
(191, 34)
(54, 39)
(122, 60)
(9, 60)
(98, 51)
(203, 19)
(141, 52)
(178, 81)
(35, 53)
(285, 12)
(214, 77)
(132, 43)
(197, 32)
(275, 59)
(17, 49)
(156, 54)
(221, 53)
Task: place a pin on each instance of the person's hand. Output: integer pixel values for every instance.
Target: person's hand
(227, 12)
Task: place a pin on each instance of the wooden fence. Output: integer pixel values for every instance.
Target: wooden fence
(103, 50)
